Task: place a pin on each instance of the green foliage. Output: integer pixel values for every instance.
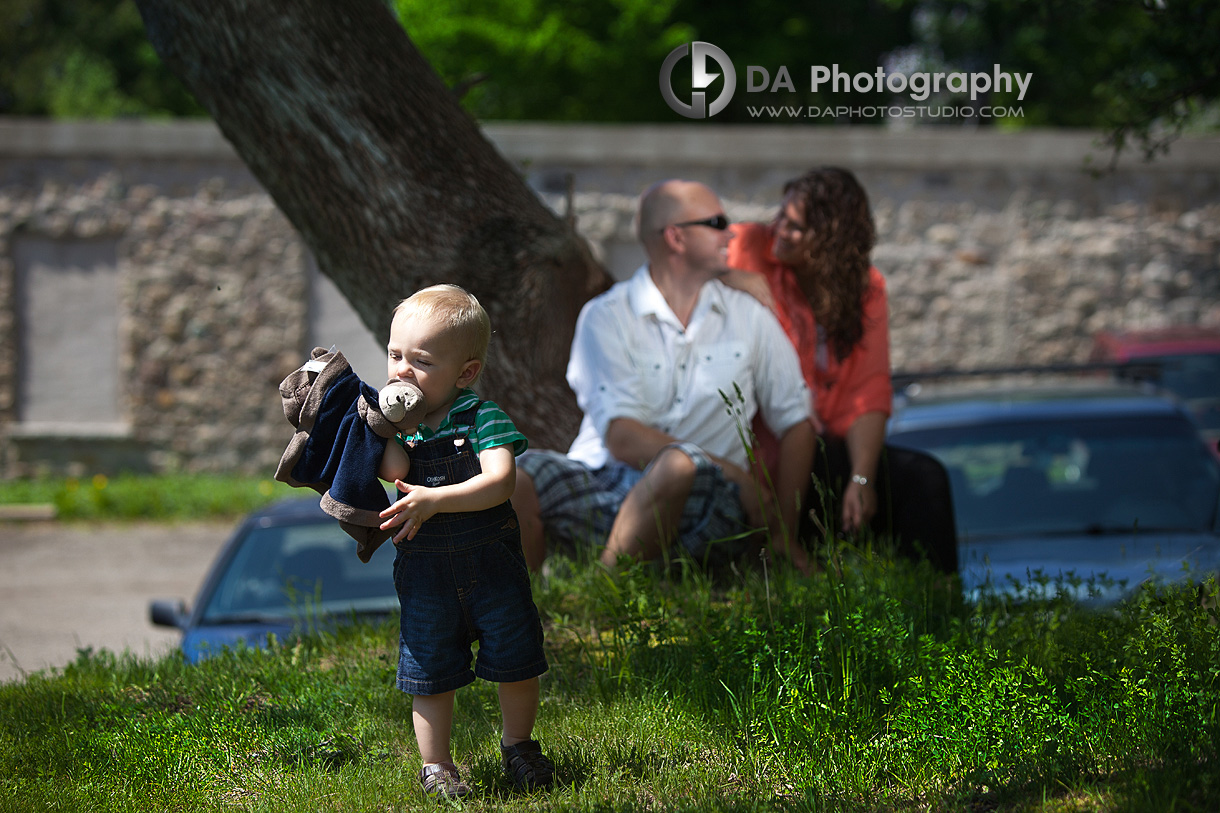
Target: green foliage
(599, 60)
(870, 686)
(1141, 71)
(773, 33)
(593, 60)
(162, 497)
(83, 59)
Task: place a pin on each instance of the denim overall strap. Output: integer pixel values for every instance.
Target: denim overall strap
(447, 460)
(444, 461)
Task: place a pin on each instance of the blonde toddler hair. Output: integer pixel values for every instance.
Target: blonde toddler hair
(458, 311)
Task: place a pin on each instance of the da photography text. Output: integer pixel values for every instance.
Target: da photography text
(920, 85)
(708, 62)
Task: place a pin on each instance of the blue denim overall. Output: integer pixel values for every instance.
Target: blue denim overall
(463, 579)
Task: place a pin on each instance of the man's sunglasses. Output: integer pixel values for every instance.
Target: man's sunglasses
(719, 223)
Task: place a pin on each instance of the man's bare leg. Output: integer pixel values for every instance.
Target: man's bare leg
(529, 517)
(649, 515)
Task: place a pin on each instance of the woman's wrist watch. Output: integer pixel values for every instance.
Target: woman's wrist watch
(859, 479)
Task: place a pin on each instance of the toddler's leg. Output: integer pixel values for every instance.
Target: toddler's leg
(519, 708)
(432, 716)
(521, 756)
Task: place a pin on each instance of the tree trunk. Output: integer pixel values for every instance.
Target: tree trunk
(388, 181)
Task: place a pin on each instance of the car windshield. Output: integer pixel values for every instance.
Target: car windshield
(300, 571)
(1090, 476)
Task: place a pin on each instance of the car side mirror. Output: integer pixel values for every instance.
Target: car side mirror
(168, 613)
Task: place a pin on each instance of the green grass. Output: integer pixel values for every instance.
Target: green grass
(874, 690)
(161, 497)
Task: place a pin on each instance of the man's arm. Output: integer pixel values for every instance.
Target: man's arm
(635, 443)
(796, 449)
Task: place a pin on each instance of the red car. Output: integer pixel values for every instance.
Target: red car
(1182, 360)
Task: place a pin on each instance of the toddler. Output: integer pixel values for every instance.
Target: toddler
(459, 569)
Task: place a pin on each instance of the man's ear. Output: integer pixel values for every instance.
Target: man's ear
(673, 239)
(470, 371)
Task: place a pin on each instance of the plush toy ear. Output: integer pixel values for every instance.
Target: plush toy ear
(402, 403)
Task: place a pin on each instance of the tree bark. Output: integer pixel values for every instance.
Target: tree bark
(388, 181)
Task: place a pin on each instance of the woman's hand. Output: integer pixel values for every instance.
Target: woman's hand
(865, 439)
(859, 506)
(755, 285)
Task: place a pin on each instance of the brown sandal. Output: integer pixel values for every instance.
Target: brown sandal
(442, 780)
(527, 766)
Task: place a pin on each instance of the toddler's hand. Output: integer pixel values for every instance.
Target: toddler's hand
(412, 510)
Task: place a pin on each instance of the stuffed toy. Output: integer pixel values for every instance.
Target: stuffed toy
(400, 399)
(343, 425)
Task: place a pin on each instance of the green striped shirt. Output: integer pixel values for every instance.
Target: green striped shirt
(492, 426)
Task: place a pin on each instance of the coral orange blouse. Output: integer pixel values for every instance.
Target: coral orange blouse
(843, 390)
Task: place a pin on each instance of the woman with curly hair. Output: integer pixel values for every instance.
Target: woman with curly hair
(815, 260)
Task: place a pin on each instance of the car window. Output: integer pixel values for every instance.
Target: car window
(1194, 378)
(294, 571)
(1075, 476)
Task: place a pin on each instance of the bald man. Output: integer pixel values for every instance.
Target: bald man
(669, 369)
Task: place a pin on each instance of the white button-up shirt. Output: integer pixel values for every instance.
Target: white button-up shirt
(632, 358)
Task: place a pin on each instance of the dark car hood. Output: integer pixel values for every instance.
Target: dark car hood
(1126, 559)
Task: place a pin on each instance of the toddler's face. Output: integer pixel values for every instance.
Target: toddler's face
(420, 350)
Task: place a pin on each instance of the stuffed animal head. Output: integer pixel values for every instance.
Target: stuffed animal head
(402, 403)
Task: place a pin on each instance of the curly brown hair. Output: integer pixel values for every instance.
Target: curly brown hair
(835, 248)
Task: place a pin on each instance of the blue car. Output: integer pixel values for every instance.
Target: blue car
(1087, 479)
(287, 569)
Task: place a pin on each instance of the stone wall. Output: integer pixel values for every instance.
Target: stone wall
(1032, 283)
(213, 301)
(997, 250)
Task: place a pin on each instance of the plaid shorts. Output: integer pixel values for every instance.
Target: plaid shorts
(579, 504)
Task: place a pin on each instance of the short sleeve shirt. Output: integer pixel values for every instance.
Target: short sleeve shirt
(702, 383)
(492, 426)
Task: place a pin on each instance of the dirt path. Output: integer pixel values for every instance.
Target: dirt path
(67, 586)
